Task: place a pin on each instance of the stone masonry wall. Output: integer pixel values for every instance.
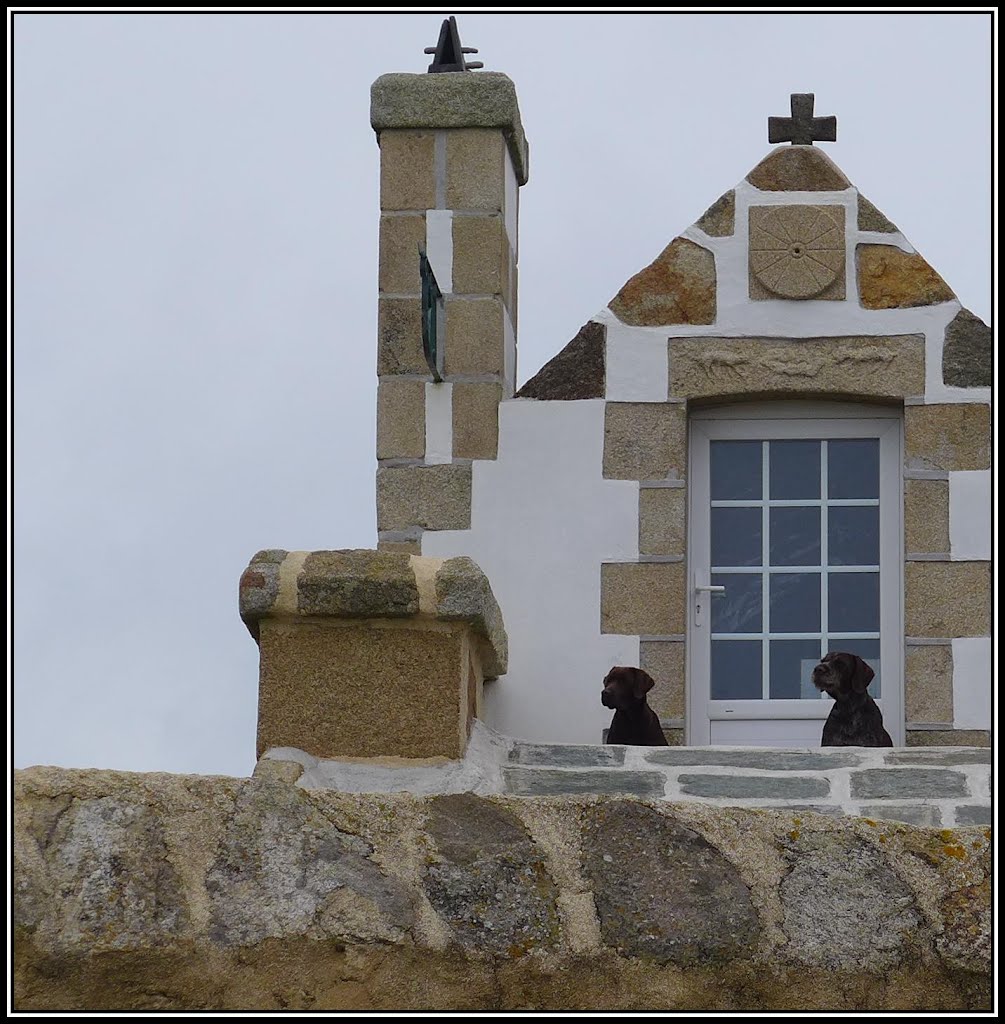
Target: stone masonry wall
(452, 157)
(936, 786)
(791, 286)
(187, 893)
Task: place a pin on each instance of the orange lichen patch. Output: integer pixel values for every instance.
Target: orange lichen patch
(956, 851)
(794, 834)
(678, 287)
(891, 279)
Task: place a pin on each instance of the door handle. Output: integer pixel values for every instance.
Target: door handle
(700, 601)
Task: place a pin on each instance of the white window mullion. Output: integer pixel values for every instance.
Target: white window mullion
(824, 553)
(765, 576)
(795, 503)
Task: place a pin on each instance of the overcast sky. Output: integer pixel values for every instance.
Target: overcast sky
(195, 286)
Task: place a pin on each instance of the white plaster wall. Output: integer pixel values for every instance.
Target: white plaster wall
(636, 365)
(737, 315)
(509, 355)
(543, 520)
(970, 515)
(440, 247)
(439, 423)
(972, 683)
(511, 202)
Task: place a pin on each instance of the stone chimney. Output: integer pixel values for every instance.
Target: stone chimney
(452, 158)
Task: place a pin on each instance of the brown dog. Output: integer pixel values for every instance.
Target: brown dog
(634, 720)
(855, 720)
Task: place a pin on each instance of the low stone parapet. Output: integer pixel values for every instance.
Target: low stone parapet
(370, 653)
(186, 893)
(932, 786)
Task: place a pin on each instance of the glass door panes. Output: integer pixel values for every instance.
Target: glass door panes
(794, 539)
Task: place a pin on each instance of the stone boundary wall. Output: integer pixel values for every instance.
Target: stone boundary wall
(189, 893)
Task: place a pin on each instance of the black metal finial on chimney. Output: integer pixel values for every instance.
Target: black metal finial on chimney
(802, 128)
(449, 54)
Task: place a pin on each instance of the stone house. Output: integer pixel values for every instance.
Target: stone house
(773, 441)
(787, 404)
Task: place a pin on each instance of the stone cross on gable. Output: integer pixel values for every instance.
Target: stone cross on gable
(802, 128)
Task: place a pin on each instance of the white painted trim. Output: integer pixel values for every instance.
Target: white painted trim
(509, 355)
(440, 247)
(636, 367)
(970, 515)
(894, 238)
(440, 169)
(972, 682)
(425, 570)
(511, 202)
(439, 424)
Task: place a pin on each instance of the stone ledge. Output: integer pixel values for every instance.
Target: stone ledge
(896, 783)
(364, 584)
(600, 781)
(755, 787)
(932, 756)
(974, 814)
(567, 755)
(480, 99)
(769, 760)
(913, 814)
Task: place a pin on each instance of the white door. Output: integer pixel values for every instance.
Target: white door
(795, 550)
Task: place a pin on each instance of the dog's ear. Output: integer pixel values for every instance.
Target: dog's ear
(862, 675)
(642, 683)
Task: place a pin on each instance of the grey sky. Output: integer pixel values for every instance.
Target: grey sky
(195, 285)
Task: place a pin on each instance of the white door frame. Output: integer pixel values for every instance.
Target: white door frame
(794, 420)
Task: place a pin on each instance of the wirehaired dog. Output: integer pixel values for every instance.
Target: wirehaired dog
(634, 720)
(855, 720)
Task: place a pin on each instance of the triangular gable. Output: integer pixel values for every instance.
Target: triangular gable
(793, 252)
